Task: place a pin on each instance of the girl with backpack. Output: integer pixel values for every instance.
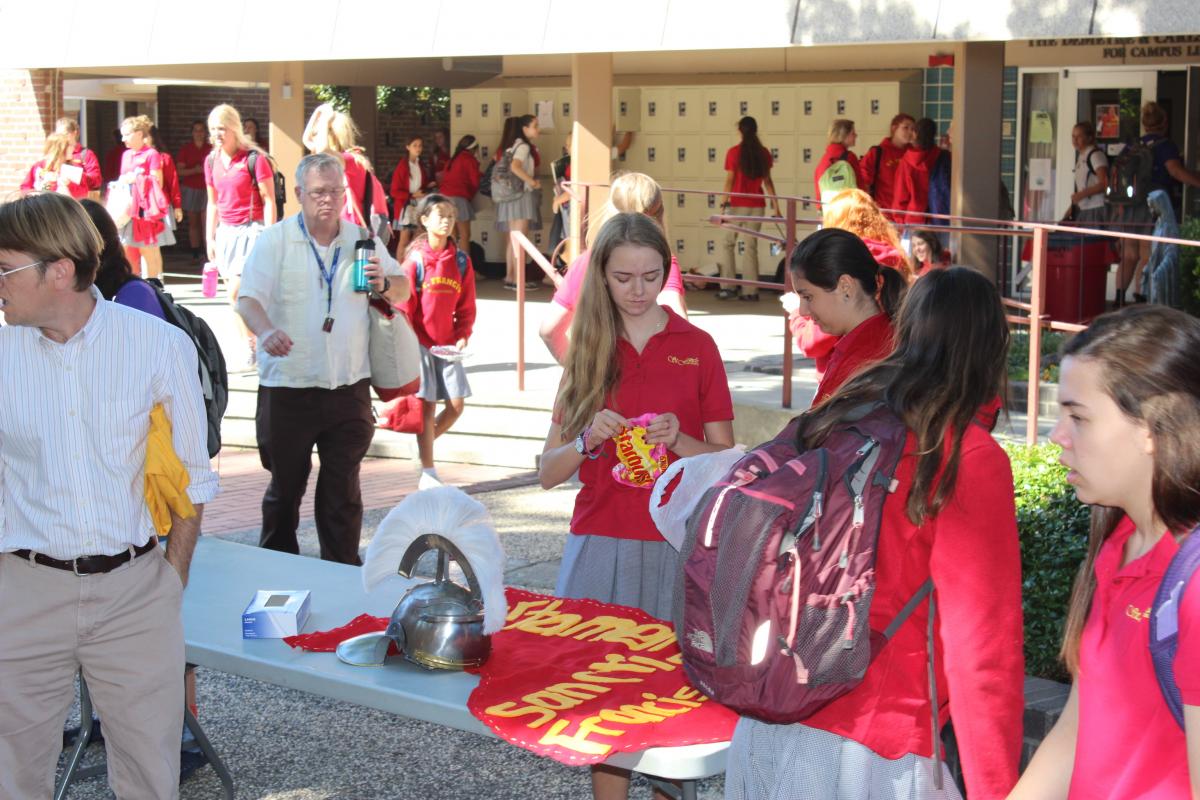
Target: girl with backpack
(460, 184)
(747, 173)
(949, 517)
(628, 357)
(1129, 390)
(849, 295)
(519, 213)
(842, 137)
(240, 205)
(410, 183)
(1091, 177)
(441, 308)
(334, 132)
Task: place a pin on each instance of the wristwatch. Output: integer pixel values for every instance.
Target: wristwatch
(581, 444)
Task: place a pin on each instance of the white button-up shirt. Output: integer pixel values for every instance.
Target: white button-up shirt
(282, 275)
(74, 418)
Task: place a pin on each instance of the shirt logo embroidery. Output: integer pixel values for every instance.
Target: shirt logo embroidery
(683, 362)
(1136, 614)
(440, 281)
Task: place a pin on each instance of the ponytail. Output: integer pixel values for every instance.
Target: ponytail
(830, 253)
(891, 290)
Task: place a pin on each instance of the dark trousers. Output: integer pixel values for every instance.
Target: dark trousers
(340, 423)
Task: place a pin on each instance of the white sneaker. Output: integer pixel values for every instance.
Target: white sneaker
(429, 480)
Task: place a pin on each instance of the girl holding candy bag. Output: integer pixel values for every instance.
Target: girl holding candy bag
(639, 383)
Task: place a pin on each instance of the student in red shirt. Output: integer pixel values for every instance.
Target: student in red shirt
(849, 295)
(365, 205)
(240, 205)
(191, 178)
(44, 176)
(633, 192)
(950, 517)
(441, 306)
(927, 252)
(747, 172)
(439, 156)
(879, 165)
(842, 137)
(170, 189)
(628, 357)
(912, 175)
(409, 184)
(82, 157)
(460, 184)
(1129, 393)
(83, 176)
(142, 169)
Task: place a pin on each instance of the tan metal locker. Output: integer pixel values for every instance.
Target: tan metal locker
(464, 114)
(845, 102)
(564, 109)
(656, 155)
(627, 110)
(881, 102)
(687, 114)
(783, 155)
(812, 109)
(688, 155)
(779, 115)
(717, 109)
(685, 208)
(487, 111)
(715, 147)
(747, 102)
(683, 242)
(656, 112)
(491, 240)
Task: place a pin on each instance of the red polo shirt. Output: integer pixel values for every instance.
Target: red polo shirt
(1129, 746)
(192, 156)
(741, 183)
(679, 371)
(238, 200)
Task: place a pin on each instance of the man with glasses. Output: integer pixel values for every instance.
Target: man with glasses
(82, 582)
(298, 298)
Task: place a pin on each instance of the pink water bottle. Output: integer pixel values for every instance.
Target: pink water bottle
(208, 283)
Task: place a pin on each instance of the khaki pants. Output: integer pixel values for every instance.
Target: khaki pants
(124, 630)
(750, 260)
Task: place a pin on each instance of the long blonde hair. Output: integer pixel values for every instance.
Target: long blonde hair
(336, 134)
(591, 370)
(634, 192)
(56, 151)
(228, 117)
(854, 210)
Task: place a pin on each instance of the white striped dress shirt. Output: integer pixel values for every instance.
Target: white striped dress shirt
(74, 419)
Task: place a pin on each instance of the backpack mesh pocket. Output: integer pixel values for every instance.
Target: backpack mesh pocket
(821, 641)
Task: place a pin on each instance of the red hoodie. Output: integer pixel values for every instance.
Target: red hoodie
(170, 180)
(462, 176)
(912, 184)
(877, 172)
(442, 308)
(971, 551)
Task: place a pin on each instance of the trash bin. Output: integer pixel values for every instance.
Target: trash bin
(1076, 275)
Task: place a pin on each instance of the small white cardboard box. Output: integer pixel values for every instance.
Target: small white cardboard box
(275, 613)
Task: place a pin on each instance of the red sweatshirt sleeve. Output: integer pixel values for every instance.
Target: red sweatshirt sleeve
(411, 306)
(399, 188)
(473, 175)
(91, 171)
(464, 311)
(903, 196)
(866, 169)
(30, 178)
(976, 569)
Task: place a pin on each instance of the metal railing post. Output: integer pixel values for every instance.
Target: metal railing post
(788, 246)
(520, 313)
(1037, 301)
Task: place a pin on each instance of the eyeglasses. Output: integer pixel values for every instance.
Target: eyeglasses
(322, 194)
(4, 273)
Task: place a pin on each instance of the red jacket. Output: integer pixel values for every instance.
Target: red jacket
(170, 180)
(832, 153)
(442, 308)
(877, 172)
(866, 344)
(912, 184)
(971, 551)
(462, 177)
(399, 189)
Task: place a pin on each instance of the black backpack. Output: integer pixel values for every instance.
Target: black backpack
(1130, 179)
(214, 378)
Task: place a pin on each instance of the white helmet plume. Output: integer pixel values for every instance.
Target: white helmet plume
(452, 513)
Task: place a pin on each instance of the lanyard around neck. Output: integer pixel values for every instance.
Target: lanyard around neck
(326, 275)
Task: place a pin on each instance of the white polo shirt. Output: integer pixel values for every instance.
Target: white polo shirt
(282, 275)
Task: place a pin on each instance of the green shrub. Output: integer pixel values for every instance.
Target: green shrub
(1018, 355)
(1053, 527)
(1189, 268)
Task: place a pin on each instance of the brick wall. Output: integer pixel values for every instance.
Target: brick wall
(30, 101)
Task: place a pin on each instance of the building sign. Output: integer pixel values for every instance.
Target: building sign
(1104, 50)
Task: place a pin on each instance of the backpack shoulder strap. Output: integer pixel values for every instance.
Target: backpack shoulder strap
(1164, 620)
(461, 259)
(419, 263)
(878, 150)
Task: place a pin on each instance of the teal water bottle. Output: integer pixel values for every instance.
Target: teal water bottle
(363, 250)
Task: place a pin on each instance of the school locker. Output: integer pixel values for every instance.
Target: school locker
(564, 110)
(655, 155)
(464, 114)
(779, 116)
(782, 148)
(716, 109)
(747, 102)
(845, 102)
(627, 108)
(683, 242)
(687, 111)
(495, 105)
(810, 148)
(714, 147)
(550, 147)
(708, 240)
(685, 207)
(812, 109)
(491, 240)
(688, 155)
(881, 102)
(656, 113)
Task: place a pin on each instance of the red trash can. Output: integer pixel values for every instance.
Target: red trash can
(1076, 276)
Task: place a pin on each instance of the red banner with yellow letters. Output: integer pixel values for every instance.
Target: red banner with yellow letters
(579, 680)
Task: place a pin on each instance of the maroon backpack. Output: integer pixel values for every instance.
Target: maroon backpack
(778, 570)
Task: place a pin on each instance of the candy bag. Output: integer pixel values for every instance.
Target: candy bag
(638, 463)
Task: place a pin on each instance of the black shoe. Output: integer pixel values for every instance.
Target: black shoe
(1139, 298)
(726, 294)
(71, 735)
(189, 762)
(752, 298)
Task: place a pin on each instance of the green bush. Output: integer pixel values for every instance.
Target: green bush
(1189, 268)
(1053, 527)
(1018, 355)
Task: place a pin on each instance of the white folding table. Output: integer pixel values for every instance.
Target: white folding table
(224, 576)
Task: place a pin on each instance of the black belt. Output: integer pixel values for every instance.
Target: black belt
(88, 565)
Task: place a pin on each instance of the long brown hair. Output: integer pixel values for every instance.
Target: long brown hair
(1148, 358)
(591, 370)
(949, 361)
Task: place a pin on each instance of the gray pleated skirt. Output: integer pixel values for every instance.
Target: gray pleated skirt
(796, 762)
(523, 207)
(442, 379)
(166, 237)
(627, 572)
(463, 210)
